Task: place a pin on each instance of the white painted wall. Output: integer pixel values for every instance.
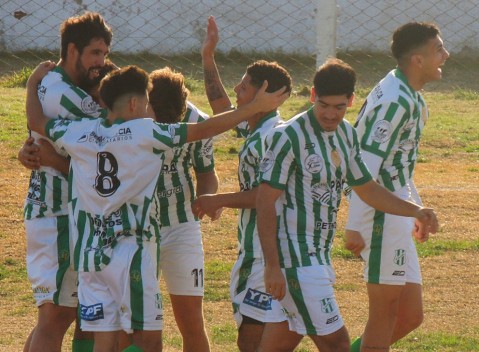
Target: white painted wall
(177, 26)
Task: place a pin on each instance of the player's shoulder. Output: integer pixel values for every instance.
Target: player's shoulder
(194, 114)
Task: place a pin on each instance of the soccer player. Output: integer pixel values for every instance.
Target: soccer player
(181, 247)
(389, 128)
(85, 42)
(308, 160)
(252, 306)
(110, 200)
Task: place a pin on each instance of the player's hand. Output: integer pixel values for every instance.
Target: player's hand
(28, 154)
(41, 71)
(354, 242)
(206, 204)
(419, 232)
(211, 39)
(48, 155)
(275, 282)
(426, 223)
(265, 102)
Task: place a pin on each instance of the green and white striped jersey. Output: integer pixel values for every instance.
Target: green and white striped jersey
(250, 157)
(176, 192)
(389, 125)
(48, 189)
(113, 175)
(311, 166)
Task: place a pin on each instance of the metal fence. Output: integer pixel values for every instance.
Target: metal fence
(153, 33)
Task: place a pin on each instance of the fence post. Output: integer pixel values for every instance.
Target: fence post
(326, 19)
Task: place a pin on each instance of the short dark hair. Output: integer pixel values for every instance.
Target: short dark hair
(410, 37)
(168, 95)
(334, 77)
(276, 75)
(80, 30)
(127, 80)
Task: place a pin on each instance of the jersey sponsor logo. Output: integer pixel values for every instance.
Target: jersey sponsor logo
(169, 168)
(34, 191)
(207, 150)
(399, 257)
(409, 126)
(382, 131)
(41, 290)
(257, 299)
(41, 92)
(309, 146)
(89, 106)
(320, 225)
(91, 313)
(124, 134)
(399, 273)
(324, 194)
(267, 161)
(313, 163)
(332, 320)
(327, 305)
(377, 93)
(169, 192)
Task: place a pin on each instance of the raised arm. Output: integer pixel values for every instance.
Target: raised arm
(262, 102)
(35, 117)
(215, 91)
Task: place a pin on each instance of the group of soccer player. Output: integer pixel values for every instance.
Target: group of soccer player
(112, 201)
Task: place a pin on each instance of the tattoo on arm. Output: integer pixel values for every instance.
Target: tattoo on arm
(212, 85)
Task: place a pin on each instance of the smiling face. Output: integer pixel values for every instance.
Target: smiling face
(330, 110)
(245, 91)
(90, 61)
(434, 55)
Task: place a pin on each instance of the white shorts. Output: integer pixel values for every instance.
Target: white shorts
(48, 261)
(125, 295)
(182, 259)
(310, 303)
(390, 253)
(248, 293)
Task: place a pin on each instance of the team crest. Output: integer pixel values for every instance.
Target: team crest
(335, 158)
(327, 305)
(399, 257)
(88, 105)
(382, 131)
(313, 163)
(267, 161)
(172, 131)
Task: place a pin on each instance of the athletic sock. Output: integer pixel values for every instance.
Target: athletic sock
(82, 345)
(133, 348)
(356, 345)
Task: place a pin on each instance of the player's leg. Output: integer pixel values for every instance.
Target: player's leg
(337, 341)
(277, 337)
(383, 309)
(249, 334)
(53, 322)
(105, 341)
(53, 281)
(182, 267)
(188, 311)
(148, 341)
(410, 311)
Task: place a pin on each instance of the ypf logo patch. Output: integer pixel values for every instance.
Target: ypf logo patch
(257, 299)
(91, 313)
(382, 131)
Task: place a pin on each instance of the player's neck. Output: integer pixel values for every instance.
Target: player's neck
(414, 78)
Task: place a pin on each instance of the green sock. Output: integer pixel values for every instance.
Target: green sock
(356, 345)
(133, 348)
(82, 346)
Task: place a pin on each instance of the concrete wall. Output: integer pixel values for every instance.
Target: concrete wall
(177, 26)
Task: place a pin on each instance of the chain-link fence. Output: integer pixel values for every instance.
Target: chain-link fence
(154, 33)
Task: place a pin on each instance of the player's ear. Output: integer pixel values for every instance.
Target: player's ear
(312, 98)
(351, 100)
(72, 50)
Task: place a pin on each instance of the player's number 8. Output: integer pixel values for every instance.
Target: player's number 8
(106, 182)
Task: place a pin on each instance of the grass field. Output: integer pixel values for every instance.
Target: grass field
(447, 177)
